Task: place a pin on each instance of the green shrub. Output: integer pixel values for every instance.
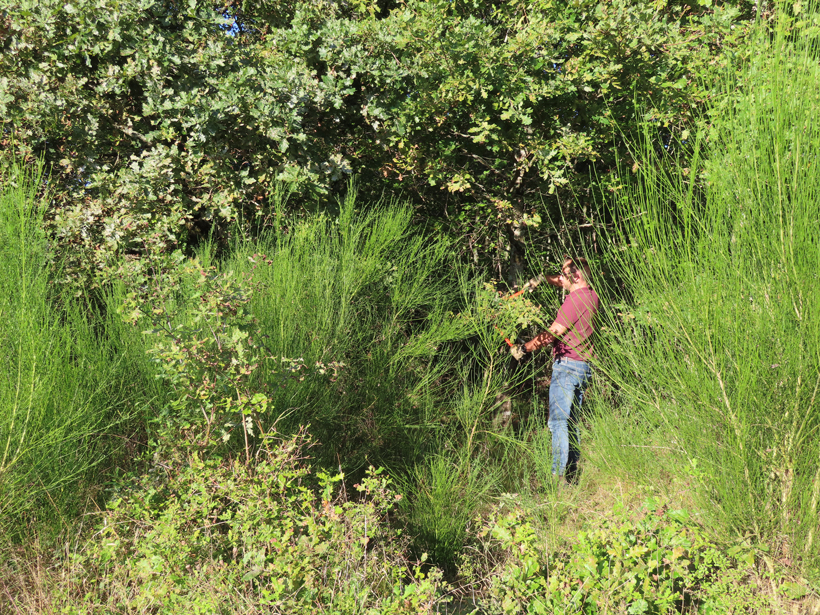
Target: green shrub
(152, 143)
(209, 351)
(445, 493)
(657, 563)
(210, 536)
(356, 310)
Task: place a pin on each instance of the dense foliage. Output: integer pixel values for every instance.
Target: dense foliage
(210, 537)
(196, 433)
(67, 382)
(161, 120)
(721, 254)
(655, 561)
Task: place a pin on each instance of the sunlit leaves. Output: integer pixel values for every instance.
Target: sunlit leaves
(163, 120)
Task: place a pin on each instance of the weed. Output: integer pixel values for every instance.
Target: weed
(210, 536)
(656, 562)
(68, 387)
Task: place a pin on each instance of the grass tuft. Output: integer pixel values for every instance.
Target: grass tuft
(717, 358)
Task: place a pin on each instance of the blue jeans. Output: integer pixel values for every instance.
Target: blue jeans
(569, 379)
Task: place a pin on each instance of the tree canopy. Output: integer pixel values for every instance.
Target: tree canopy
(163, 119)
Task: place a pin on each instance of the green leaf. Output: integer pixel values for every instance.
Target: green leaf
(793, 591)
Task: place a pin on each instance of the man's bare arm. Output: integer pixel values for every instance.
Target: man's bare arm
(556, 331)
(552, 280)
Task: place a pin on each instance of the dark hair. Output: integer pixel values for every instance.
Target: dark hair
(578, 264)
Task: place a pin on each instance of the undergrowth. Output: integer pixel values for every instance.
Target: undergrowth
(220, 536)
(650, 560)
(172, 408)
(70, 385)
(714, 360)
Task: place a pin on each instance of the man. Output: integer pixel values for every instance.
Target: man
(573, 349)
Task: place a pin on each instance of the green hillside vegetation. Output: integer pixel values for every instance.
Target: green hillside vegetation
(160, 122)
(255, 357)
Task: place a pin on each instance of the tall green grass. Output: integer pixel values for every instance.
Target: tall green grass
(419, 390)
(422, 368)
(366, 289)
(64, 382)
(717, 358)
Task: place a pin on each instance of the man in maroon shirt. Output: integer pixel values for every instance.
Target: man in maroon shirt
(571, 334)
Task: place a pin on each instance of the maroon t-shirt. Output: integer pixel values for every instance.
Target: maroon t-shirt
(577, 315)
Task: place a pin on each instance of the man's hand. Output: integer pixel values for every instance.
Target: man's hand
(535, 281)
(552, 280)
(518, 352)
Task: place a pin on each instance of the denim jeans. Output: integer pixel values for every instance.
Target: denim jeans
(569, 379)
